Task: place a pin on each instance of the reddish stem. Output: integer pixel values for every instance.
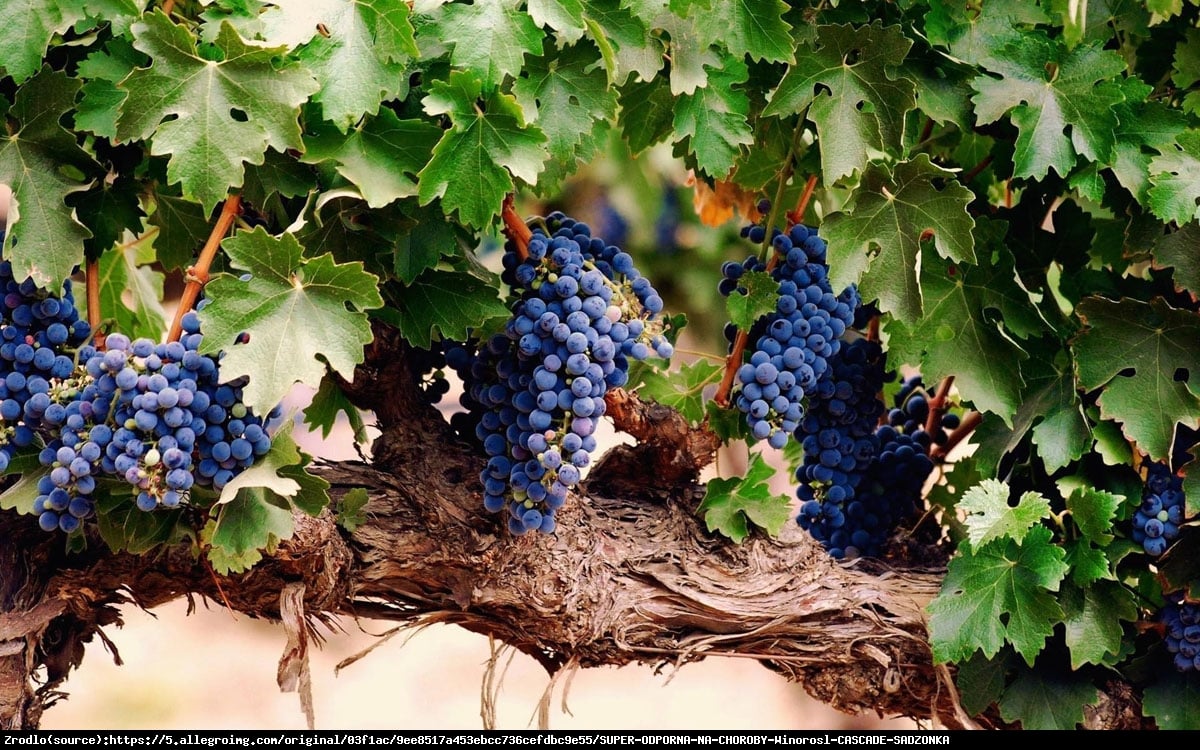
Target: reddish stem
(937, 404)
(797, 216)
(974, 171)
(92, 285)
(197, 275)
(960, 433)
(168, 6)
(515, 229)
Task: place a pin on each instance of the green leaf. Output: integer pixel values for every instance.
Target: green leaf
(446, 303)
(990, 517)
(265, 471)
(327, 403)
(183, 227)
(186, 103)
(1044, 700)
(566, 95)
(885, 218)
(29, 25)
(490, 38)
(691, 52)
(997, 594)
(981, 681)
(760, 298)
(130, 290)
(381, 156)
(1175, 178)
(729, 424)
(714, 119)
(126, 528)
(731, 505)
(752, 27)
(295, 311)
(253, 522)
(1060, 100)
(352, 512)
(958, 335)
(1173, 701)
(647, 112)
(421, 243)
(626, 44)
(848, 84)
(21, 494)
(1156, 342)
(1145, 128)
(471, 165)
(1093, 621)
(564, 16)
(101, 99)
(1185, 72)
(1088, 563)
(682, 390)
(978, 35)
(1177, 250)
(44, 239)
(359, 58)
(1093, 512)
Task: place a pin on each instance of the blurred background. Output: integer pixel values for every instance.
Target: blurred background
(215, 669)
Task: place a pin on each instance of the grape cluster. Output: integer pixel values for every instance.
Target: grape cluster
(1182, 623)
(794, 343)
(1156, 522)
(535, 393)
(859, 481)
(37, 329)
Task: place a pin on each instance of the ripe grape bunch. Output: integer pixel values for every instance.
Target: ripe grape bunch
(1182, 623)
(152, 417)
(794, 343)
(858, 482)
(1156, 522)
(535, 393)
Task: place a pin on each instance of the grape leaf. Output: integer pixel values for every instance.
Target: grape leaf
(848, 84)
(327, 403)
(1185, 71)
(295, 311)
(647, 112)
(1044, 700)
(752, 27)
(255, 521)
(490, 38)
(990, 517)
(1145, 128)
(713, 119)
(448, 303)
(1093, 621)
(381, 156)
(471, 164)
(21, 494)
(1093, 512)
(1177, 250)
(1060, 100)
(130, 290)
(101, 99)
(183, 226)
(887, 213)
(125, 527)
(29, 25)
(187, 104)
(352, 511)
(44, 239)
(1156, 341)
(265, 471)
(1087, 562)
(358, 56)
(760, 298)
(1050, 407)
(566, 95)
(626, 45)
(683, 390)
(731, 505)
(691, 53)
(978, 35)
(1173, 701)
(1175, 180)
(957, 335)
(564, 16)
(981, 680)
(996, 594)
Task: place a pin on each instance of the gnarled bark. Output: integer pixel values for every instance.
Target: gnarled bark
(631, 576)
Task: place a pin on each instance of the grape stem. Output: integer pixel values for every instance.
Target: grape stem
(975, 170)
(197, 275)
(937, 405)
(515, 229)
(92, 285)
(960, 433)
(168, 6)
